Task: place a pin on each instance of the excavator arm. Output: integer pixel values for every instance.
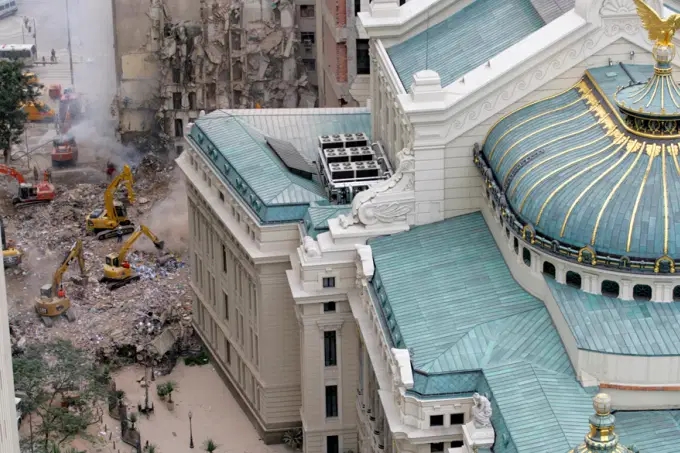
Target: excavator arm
(75, 252)
(9, 171)
(123, 176)
(143, 229)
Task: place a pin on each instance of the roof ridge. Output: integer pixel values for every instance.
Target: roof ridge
(545, 394)
(456, 342)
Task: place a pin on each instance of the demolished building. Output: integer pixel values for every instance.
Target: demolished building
(204, 56)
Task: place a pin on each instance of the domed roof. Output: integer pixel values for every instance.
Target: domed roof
(571, 168)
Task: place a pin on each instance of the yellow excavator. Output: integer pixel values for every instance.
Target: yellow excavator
(11, 256)
(117, 270)
(104, 222)
(53, 301)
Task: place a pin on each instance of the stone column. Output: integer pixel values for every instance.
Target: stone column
(9, 434)
(626, 290)
(561, 274)
(426, 93)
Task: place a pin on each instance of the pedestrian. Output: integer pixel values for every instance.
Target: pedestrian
(119, 233)
(53, 56)
(43, 60)
(110, 170)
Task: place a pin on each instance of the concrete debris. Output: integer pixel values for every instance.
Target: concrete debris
(109, 324)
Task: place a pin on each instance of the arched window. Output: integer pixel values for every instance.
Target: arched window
(609, 288)
(573, 279)
(526, 256)
(642, 292)
(676, 294)
(516, 244)
(549, 270)
(507, 232)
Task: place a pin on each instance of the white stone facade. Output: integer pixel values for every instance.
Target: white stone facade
(428, 132)
(9, 433)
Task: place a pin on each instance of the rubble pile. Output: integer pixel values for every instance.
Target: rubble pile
(127, 321)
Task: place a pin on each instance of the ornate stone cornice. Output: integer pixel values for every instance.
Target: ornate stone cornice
(329, 325)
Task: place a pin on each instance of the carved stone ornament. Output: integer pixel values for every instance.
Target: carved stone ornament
(389, 201)
(617, 8)
(481, 411)
(311, 247)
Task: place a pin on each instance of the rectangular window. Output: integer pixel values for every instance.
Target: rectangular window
(458, 419)
(306, 10)
(363, 58)
(224, 258)
(214, 293)
(179, 127)
(252, 344)
(177, 101)
(257, 350)
(310, 64)
(330, 348)
(437, 447)
(457, 444)
(357, 7)
(192, 101)
(329, 282)
(328, 307)
(221, 196)
(331, 401)
(332, 444)
(436, 420)
(176, 74)
(254, 305)
(228, 351)
(225, 299)
(307, 38)
(240, 325)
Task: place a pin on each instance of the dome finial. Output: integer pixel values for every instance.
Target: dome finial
(601, 438)
(649, 108)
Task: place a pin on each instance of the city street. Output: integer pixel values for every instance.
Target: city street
(45, 24)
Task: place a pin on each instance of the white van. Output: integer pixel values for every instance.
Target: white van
(8, 7)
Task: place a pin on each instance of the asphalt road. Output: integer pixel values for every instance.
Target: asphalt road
(93, 57)
(91, 37)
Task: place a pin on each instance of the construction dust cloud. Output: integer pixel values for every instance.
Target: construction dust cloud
(167, 219)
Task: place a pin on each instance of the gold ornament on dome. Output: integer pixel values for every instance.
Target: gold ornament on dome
(660, 30)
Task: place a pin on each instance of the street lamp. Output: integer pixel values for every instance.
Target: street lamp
(191, 432)
(27, 27)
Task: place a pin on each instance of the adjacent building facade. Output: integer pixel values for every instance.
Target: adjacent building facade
(517, 259)
(343, 62)
(9, 432)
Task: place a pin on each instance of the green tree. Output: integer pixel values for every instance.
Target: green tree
(63, 388)
(14, 90)
(209, 445)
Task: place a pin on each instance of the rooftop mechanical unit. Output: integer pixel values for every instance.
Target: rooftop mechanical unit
(349, 164)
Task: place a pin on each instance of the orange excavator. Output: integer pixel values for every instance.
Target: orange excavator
(41, 192)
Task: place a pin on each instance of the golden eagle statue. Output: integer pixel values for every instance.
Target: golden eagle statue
(660, 30)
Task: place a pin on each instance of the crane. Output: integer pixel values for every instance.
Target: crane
(41, 192)
(117, 270)
(103, 222)
(53, 301)
(11, 256)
